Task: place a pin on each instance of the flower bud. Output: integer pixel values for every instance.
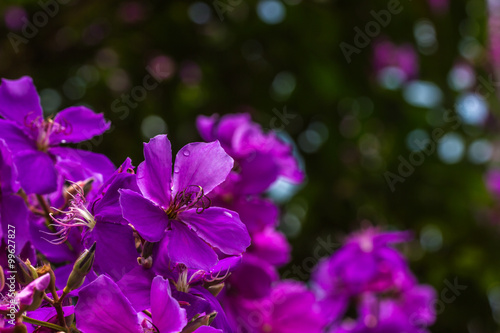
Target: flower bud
(20, 328)
(146, 259)
(198, 322)
(216, 289)
(80, 270)
(82, 187)
(25, 272)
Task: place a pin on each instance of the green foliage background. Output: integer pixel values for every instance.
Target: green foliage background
(343, 189)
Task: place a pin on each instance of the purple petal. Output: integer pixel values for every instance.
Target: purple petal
(37, 173)
(226, 265)
(77, 164)
(257, 213)
(201, 164)
(258, 172)
(136, 286)
(295, 309)
(15, 138)
(72, 167)
(220, 320)
(47, 314)
(290, 169)
(205, 126)
(197, 304)
(166, 312)
(228, 127)
(207, 329)
(78, 123)
(385, 238)
(184, 246)
(253, 278)
(220, 228)
(8, 171)
(102, 307)
(271, 246)
(13, 212)
(19, 100)
(155, 173)
(25, 296)
(147, 218)
(115, 251)
(107, 208)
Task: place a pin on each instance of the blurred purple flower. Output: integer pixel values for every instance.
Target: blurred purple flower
(13, 17)
(402, 60)
(439, 6)
(366, 263)
(493, 182)
(260, 158)
(289, 308)
(411, 312)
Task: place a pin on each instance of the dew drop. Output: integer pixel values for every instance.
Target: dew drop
(176, 170)
(228, 214)
(186, 152)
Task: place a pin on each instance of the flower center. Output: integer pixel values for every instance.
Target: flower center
(44, 128)
(191, 197)
(184, 281)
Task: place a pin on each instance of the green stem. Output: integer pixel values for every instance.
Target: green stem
(44, 324)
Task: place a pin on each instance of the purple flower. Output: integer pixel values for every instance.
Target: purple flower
(102, 307)
(401, 61)
(493, 182)
(366, 263)
(289, 308)
(174, 209)
(439, 6)
(411, 311)
(36, 141)
(260, 157)
(494, 35)
(271, 246)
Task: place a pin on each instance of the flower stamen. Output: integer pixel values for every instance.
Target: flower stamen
(77, 215)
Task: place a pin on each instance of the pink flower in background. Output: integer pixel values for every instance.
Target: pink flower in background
(395, 63)
(439, 6)
(494, 34)
(13, 17)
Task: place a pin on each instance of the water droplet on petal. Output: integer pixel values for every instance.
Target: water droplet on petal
(176, 170)
(228, 214)
(186, 152)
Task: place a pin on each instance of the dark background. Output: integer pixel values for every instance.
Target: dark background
(92, 52)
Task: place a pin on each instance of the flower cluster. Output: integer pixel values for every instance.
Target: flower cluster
(184, 244)
(375, 277)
